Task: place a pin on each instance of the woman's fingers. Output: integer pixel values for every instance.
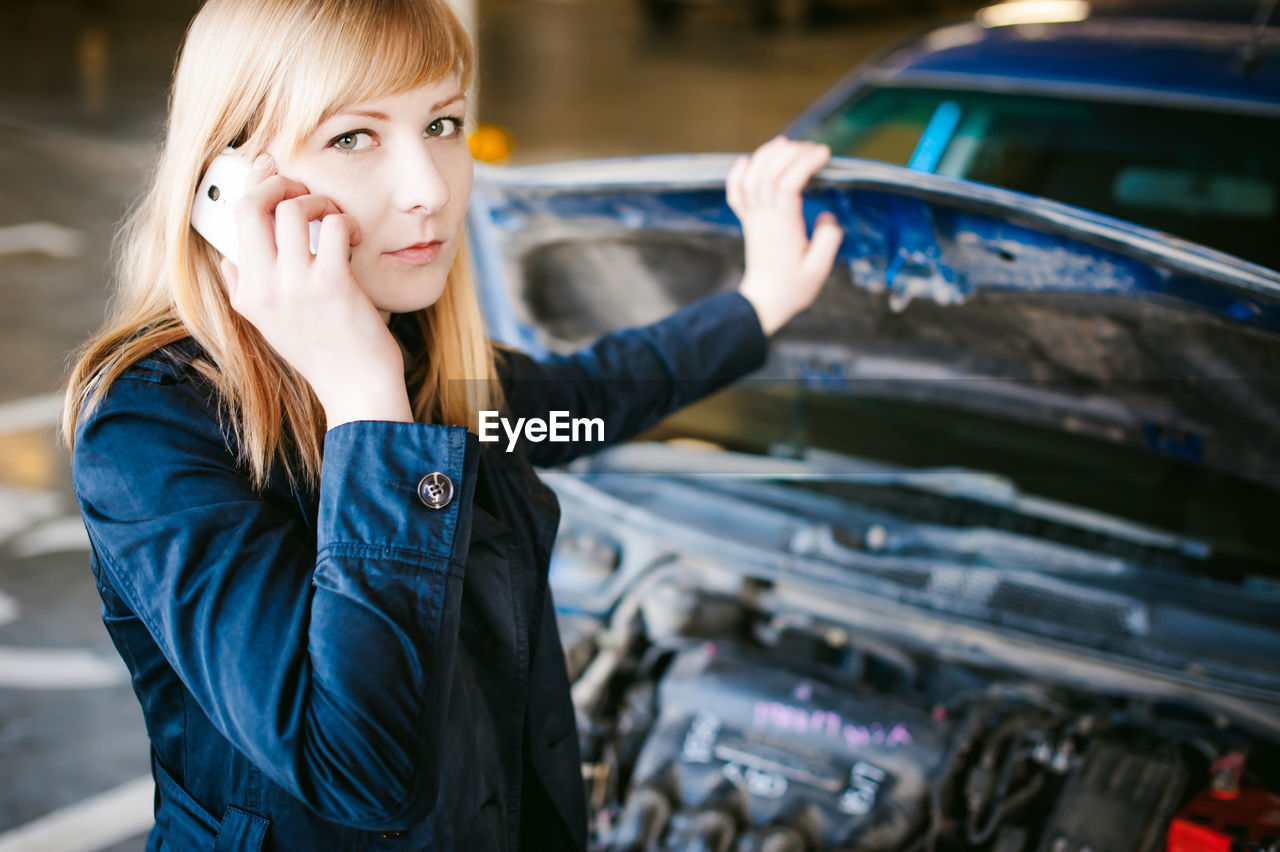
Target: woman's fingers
(775, 163)
(823, 245)
(293, 224)
(779, 166)
(338, 233)
(760, 167)
(255, 211)
(802, 167)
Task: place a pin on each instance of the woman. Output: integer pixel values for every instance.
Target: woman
(332, 598)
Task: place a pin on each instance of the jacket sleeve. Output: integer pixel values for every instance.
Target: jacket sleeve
(325, 659)
(632, 378)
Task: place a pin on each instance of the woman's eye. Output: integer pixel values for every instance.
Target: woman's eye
(447, 126)
(354, 141)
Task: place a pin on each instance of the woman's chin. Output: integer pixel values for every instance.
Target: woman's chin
(403, 297)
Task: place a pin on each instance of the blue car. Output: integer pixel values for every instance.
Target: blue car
(985, 557)
(1161, 113)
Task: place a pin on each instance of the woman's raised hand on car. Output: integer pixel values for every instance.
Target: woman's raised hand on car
(310, 308)
(785, 268)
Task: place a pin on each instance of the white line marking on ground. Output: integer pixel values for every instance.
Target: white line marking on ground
(27, 415)
(57, 668)
(24, 508)
(63, 535)
(8, 609)
(96, 823)
(45, 237)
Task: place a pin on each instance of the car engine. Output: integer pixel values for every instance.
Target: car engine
(713, 718)
(738, 741)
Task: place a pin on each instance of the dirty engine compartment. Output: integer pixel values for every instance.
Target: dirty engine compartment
(733, 699)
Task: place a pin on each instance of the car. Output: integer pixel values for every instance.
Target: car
(1162, 113)
(984, 557)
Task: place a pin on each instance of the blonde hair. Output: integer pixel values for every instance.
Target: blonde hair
(252, 71)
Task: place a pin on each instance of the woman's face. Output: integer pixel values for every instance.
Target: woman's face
(401, 166)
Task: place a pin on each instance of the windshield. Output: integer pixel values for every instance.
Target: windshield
(1207, 177)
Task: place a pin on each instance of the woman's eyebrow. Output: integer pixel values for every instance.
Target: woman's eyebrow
(382, 116)
(367, 113)
(444, 103)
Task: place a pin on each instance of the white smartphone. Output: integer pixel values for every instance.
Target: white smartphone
(222, 185)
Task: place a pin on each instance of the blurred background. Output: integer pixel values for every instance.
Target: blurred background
(82, 99)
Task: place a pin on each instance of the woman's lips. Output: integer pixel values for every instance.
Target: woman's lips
(418, 252)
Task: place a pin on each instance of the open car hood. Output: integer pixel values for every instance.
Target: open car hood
(945, 292)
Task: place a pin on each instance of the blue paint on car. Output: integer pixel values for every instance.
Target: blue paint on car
(914, 234)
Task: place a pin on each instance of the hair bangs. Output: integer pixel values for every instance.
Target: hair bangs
(367, 49)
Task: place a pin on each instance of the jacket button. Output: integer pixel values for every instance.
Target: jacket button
(435, 490)
(391, 835)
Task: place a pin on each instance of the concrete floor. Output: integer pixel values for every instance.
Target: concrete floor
(81, 104)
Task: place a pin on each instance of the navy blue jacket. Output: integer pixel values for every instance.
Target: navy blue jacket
(353, 669)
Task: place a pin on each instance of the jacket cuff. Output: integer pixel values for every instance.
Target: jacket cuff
(369, 489)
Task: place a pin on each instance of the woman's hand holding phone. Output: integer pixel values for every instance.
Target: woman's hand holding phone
(785, 269)
(310, 308)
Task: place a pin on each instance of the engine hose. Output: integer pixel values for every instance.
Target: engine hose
(1002, 811)
(642, 822)
(975, 721)
(1016, 757)
(980, 785)
(617, 639)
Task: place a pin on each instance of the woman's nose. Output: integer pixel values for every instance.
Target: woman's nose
(420, 184)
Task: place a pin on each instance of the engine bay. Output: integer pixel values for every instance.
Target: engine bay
(715, 713)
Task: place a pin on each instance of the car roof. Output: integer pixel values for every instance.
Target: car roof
(1134, 50)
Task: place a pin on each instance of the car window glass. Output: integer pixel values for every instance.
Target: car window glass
(885, 126)
(1207, 177)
